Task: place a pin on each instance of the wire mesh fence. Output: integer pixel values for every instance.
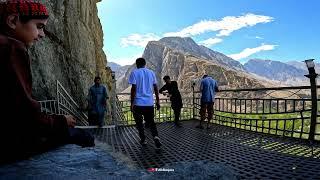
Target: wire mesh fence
(284, 111)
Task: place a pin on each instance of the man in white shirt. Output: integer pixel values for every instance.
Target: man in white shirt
(144, 83)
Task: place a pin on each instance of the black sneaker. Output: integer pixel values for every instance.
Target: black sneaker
(143, 143)
(157, 142)
(178, 124)
(199, 126)
(146, 125)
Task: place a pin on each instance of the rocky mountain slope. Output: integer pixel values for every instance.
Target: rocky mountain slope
(186, 62)
(188, 46)
(288, 73)
(114, 66)
(118, 69)
(302, 65)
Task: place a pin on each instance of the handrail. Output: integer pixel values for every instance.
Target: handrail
(49, 106)
(63, 105)
(65, 91)
(249, 89)
(268, 89)
(66, 105)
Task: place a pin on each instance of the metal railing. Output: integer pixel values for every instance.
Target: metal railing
(287, 114)
(64, 105)
(165, 114)
(284, 111)
(49, 106)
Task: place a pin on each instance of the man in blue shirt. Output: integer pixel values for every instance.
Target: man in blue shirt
(144, 84)
(208, 89)
(97, 98)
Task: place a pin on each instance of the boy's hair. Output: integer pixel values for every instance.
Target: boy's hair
(166, 77)
(26, 10)
(140, 62)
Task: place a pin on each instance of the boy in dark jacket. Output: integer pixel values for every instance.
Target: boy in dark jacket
(24, 129)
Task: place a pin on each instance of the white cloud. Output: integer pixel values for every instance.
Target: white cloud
(231, 23)
(249, 51)
(224, 27)
(253, 37)
(125, 60)
(196, 29)
(210, 41)
(138, 39)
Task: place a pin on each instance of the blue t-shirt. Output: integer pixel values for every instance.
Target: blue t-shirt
(208, 89)
(144, 79)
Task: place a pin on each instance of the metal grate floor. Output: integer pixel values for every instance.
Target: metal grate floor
(249, 154)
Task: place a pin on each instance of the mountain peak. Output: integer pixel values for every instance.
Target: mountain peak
(179, 43)
(177, 39)
(187, 45)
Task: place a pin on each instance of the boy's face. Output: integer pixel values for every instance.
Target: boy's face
(30, 32)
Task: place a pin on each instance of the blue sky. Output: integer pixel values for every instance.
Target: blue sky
(282, 30)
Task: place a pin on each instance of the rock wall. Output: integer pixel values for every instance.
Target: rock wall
(71, 52)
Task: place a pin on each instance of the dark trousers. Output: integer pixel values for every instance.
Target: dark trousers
(93, 119)
(206, 108)
(145, 113)
(96, 119)
(177, 112)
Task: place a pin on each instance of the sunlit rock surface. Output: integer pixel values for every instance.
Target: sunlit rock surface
(71, 52)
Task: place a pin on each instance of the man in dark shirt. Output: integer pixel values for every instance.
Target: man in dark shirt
(175, 97)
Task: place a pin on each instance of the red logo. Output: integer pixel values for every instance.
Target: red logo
(151, 169)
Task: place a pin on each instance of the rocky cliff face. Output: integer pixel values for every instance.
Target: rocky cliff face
(187, 67)
(188, 46)
(71, 52)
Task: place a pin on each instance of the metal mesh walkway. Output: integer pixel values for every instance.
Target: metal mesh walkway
(249, 154)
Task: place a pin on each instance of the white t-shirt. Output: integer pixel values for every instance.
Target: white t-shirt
(144, 79)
